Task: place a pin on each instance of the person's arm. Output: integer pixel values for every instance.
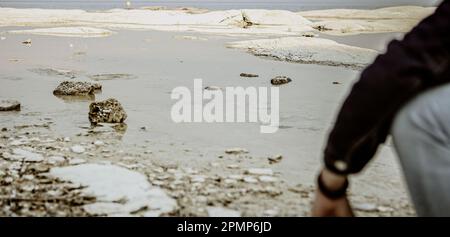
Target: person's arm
(409, 66)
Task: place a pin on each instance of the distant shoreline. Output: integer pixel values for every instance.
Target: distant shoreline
(228, 5)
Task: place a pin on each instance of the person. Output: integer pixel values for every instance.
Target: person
(405, 93)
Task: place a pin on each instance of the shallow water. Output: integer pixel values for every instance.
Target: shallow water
(161, 61)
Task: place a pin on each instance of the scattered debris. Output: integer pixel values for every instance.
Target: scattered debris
(108, 111)
(9, 105)
(280, 80)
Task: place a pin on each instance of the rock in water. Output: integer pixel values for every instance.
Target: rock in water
(108, 111)
(76, 88)
(9, 105)
(248, 75)
(280, 80)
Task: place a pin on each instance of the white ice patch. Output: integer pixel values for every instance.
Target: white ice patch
(118, 191)
(224, 22)
(356, 21)
(83, 32)
(309, 50)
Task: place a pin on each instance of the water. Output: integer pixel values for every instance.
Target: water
(292, 5)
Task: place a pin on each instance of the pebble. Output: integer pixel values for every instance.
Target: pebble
(99, 143)
(222, 212)
(76, 161)
(280, 80)
(235, 151)
(267, 179)
(275, 159)
(270, 212)
(56, 160)
(259, 171)
(385, 209)
(67, 139)
(365, 206)
(248, 75)
(250, 179)
(77, 149)
(9, 105)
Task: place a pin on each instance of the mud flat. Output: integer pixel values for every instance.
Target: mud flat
(188, 166)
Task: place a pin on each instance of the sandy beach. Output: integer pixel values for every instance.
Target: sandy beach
(183, 169)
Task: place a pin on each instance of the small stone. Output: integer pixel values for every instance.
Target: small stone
(280, 80)
(275, 159)
(198, 179)
(222, 212)
(212, 88)
(76, 88)
(385, 209)
(77, 149)
(9, 105)
(336, 83)
(108, 111)
(230, 181)
(56, 160)
(67, 139)
(2, 38)
(232, 166)
(76, 161)
(270, 213)
(267, 179)
(365, 206)
(259, 171)
(99, 143)
(248, 75)
(27, 42)
(250, 179)
(236, 151)
(8, 180)
(4, 129)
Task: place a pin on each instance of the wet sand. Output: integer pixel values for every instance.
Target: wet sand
(161, 61)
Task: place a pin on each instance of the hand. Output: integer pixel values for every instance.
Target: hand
(324, 206)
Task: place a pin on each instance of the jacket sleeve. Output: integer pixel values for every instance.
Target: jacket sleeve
(409, 66)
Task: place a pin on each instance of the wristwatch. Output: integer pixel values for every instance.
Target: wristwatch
(332, 194)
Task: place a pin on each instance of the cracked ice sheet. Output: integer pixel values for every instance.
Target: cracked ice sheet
(118, 191)
(222, 22)
(309, 50)
(357, 21)
(83, 32)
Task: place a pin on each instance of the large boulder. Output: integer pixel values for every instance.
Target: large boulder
(108, 111)
(9, 105)
(76, 88)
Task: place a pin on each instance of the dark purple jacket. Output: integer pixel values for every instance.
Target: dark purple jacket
(410, 66)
